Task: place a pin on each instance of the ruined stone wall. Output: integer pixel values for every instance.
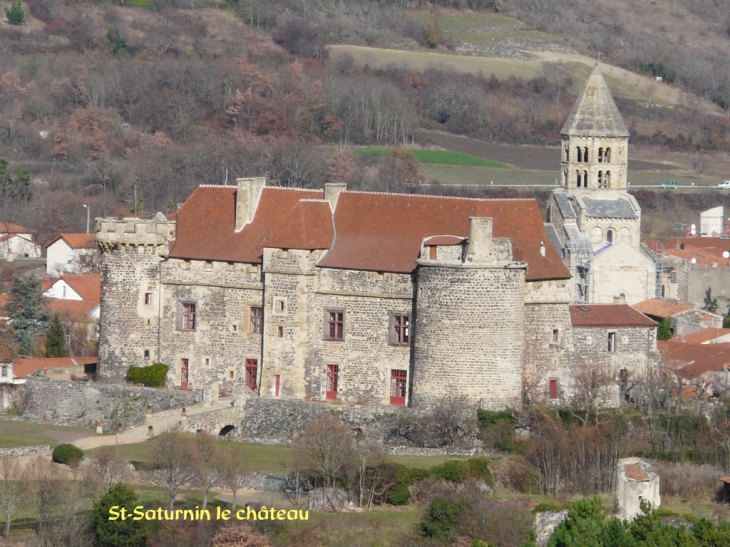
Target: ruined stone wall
(218, 347)
(695, 320)
(546, 353)
(469, 334)
(82, 404)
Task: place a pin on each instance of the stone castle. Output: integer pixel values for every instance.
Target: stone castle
(385, 299)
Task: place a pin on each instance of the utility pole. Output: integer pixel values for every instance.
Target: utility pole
(88, 211)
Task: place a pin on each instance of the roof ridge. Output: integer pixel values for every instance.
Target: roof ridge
(434, 196)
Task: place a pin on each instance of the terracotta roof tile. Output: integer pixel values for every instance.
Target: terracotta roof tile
(76, 241)
(10, 228)
(87, 285)
(607, 315)
(384, 232)
(75, 311)
(704, 336)
(26, 367)
(308, 226)
(207, 220)
(661, 308)
(693, 360)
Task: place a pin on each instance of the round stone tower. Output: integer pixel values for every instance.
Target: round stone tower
(470, 320)
(131, 252)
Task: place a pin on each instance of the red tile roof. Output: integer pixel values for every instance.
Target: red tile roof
(76, 241)
(384, 232)
(26, 367)
(661, 308)
(75, 311)
(443, 240)
(704, 335)
(308, 226)
(10, 228)
(707, 251)
(206, 223)
(692, 360)
(87, 285)
(372, 231)
(607, 315)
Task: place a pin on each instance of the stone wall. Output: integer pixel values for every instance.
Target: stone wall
(82, 404)
(24, 451)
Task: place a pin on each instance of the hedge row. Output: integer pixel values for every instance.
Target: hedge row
(151, 376)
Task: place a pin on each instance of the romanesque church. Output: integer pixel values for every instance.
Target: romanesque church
(389, 299)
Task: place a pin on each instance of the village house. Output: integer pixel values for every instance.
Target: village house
(684, 318)
(17, 242)
(72, 254)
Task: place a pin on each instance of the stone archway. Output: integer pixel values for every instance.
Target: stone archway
(227, 430)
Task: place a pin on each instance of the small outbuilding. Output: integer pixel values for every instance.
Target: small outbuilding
(636, 481)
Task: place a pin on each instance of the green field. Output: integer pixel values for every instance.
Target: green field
(14, 434)
(269, 458)
(440, 157)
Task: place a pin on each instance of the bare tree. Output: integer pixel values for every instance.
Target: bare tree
(207, 465)
(326, 447)
(45, 489)
(11, 489)
(110, 467)
(592, 389)
(233, 468)
(171, 463)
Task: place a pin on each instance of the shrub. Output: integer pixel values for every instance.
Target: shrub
(66, 453)
(399, 495)
(15, 13)
(440, 518)
(488, 418)
(663, 329)
(152, 376)
(431, 35)
(460, 470)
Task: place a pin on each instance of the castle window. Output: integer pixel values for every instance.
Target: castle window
(577, 178)
(280, 331)
(279, 306)
(146, 355)
(334, 324)
(600, 179)
(553, 390)
(580, 155)
(147, 298)
(400, 326)
(277, 384)
(585, 155)
(333, 373)
(398, 380)
(567, 153)
(234, 327)
(252, 366)
(607, 156)
(609, 236)
(607, 181)
(207, 361)
(556, 336)
(256, 317)
(600, 155)
(4, 371)
(186, 316)
(585, 179)
(611, 342)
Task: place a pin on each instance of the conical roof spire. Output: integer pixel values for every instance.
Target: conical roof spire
(595, 114)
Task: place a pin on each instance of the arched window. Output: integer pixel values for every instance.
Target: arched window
(585, 179)
(585, 154)
(607, 180)
(567, 153)
(580, 155)
(600, 155)
(600, 179)
(609, 236)
(663, 289)
(607, 156)
(577, 178)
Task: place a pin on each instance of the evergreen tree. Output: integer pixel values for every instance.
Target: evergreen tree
(56, 339)
(663, 329)
(726, 321)
(15, 13)
(117, 533)
(711, 304)
(14, 188)
(26, 310)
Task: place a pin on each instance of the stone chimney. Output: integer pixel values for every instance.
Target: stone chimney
(247, 199)
(480, 245)
(332, 192)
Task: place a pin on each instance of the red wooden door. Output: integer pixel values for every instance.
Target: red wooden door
(333, 371)
(184, 369)
(553, 389)
(398, 387)
(252, 366)
(278, 379)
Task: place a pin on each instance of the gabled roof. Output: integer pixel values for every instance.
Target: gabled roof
(705, 336)
(76, 241)
(693, 360)
(564, 205)
(10, 228)
(372, 231)
(206, 223)
(607, 315)
(661, 308)
(595, 114)
(75, 311)
(383, 232)
(26, 367)
(88, 286)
